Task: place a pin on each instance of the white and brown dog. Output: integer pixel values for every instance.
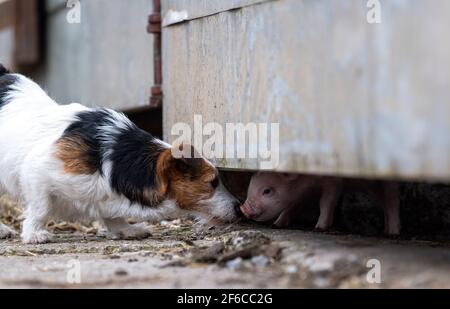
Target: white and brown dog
(72, 162)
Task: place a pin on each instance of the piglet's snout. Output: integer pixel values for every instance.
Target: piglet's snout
(250, 210)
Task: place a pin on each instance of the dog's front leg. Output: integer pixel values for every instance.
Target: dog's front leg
(121, 229)
(36, 216)
(6, 232)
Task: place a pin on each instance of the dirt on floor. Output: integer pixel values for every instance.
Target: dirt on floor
(183, 254)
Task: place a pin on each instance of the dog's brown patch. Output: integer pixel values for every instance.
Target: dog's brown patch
(187, 180)
(151, 198)
(162, 172)
(74, 152)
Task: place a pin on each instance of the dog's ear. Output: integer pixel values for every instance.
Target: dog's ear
(163, 166)
(187, 159)
(183, 159)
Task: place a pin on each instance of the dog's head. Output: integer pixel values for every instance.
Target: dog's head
(194, 183)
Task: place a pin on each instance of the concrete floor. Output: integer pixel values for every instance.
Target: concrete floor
(181, 254)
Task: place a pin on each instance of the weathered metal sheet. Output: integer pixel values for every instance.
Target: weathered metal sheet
(105, 60)
(352, 98)
(7, 46)
(176, 11)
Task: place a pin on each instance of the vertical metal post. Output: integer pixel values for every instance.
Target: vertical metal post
(154, 27)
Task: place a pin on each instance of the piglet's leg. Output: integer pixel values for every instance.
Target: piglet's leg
(290, 213)
(287, 216)
(391, 207)
(328, 201)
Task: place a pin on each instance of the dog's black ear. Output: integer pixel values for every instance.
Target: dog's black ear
(187, 159)
(3, 70)
(188, 165)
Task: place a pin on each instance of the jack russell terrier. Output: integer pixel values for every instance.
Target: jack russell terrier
(71, 162)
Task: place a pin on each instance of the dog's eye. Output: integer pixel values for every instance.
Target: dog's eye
(215, 182)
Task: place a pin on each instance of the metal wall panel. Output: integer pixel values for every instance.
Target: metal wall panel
(352, 98)
(175, 11)
(106, 60)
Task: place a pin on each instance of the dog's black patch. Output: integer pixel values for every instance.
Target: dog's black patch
(133, 158)
(86, 127)
(6, 81)
(132, 152)
(3, 70)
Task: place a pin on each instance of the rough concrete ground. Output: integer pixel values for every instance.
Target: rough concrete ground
(181, 254)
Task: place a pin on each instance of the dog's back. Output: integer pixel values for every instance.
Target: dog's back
(29, 120)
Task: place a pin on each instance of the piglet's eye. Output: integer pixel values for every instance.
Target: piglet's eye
(215, 182)
(267, 191)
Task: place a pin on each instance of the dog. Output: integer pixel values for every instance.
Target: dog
(72, 162)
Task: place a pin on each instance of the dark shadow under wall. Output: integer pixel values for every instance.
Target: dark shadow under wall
(425, 209)
(148, 119)
(425, 212)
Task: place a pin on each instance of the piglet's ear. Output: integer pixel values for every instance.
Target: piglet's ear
(289, 176)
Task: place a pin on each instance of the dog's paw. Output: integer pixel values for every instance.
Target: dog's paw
(135, 231)
(6, 232)
(37, 237)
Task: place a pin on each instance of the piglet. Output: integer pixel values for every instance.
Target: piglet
(279, 196)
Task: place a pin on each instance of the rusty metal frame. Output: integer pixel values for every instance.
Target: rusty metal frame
(23, 17)
(27, 33)
(7, 13)
(154, 27)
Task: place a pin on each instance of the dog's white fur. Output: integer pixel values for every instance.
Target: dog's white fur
(30, 124)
